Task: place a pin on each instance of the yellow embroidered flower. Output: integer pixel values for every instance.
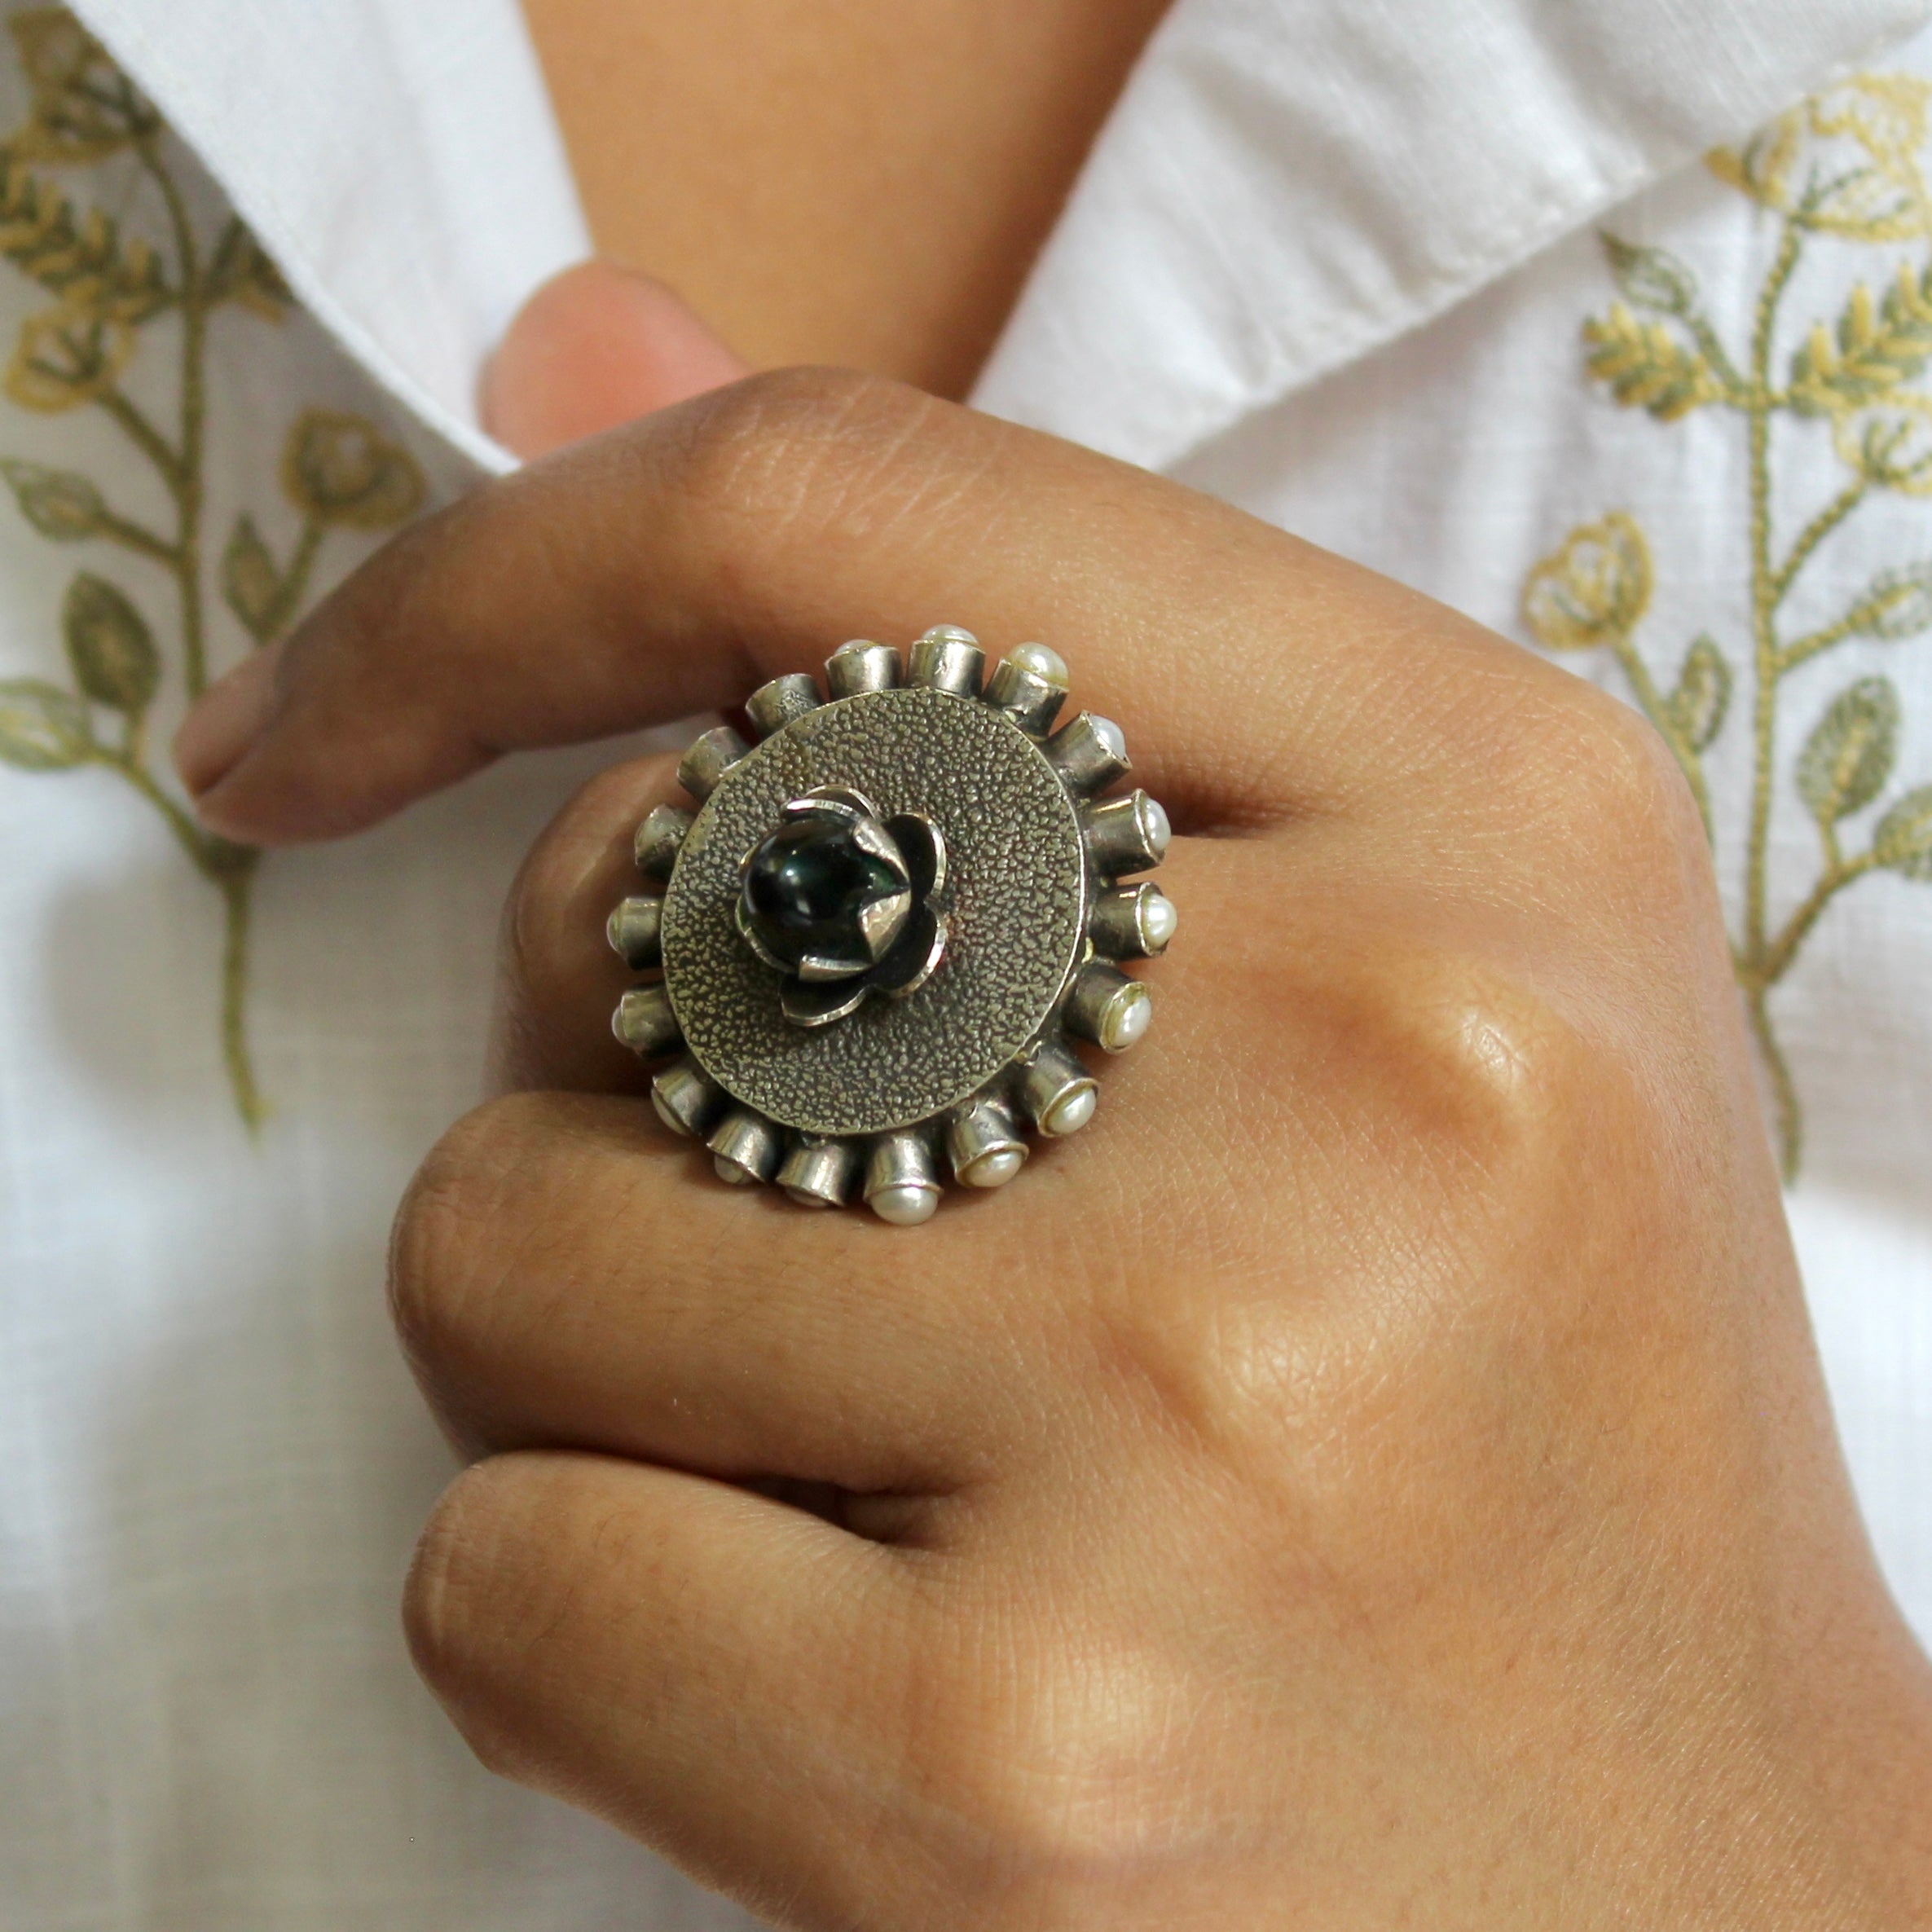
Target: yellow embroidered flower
(341, 470)
(81, 106)
(1593, 589)
(1847, 161)
(65, 357)
(1888, 442)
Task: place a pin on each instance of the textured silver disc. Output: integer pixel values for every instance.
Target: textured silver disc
(1013, 901)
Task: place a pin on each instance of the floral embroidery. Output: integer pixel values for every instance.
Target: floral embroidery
(1846, 166)
(338, 471)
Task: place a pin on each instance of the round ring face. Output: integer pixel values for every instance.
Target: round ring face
(1014, 899)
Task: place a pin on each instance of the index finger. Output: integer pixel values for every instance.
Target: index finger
(667, 567)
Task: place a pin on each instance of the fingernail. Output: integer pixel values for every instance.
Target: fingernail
(227, 718)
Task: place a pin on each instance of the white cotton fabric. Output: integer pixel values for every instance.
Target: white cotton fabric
(1329, 260)
(399, 161)
(1286, 187)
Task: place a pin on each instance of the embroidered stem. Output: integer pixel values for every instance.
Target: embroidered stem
(1768, 587)
(1736, 391)
(231, 869)
(1832, 882)
(238, 907)
(134, 536)
(1802, 649)
(1814, 533)
(188, 486)
(191, 839)
(147, 439)
(1763, 596)
(293, 589)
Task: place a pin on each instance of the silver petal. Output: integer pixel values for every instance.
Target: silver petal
(872, 838)
(822, 968)
(806, 1005)
(749, 934)
(923, 846)
(882, 920)
(915, 959)
(840, 799)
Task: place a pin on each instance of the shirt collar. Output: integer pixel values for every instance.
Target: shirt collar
(398, 158)
(1283, 188)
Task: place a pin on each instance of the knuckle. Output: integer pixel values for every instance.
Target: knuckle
(1060, 1759)
(526, 935)
(797, 444)
(563, 875)
(444, 1249)
(1624, 803)
(1468, 1061)
(453, 1605)
(1458, 1089)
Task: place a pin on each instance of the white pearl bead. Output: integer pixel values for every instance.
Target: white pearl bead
(905, 1207)
(1070, 1113)
(1110, 734)
(1126, 1019)
(805, 1200)
(1158, 920)
(994, 1169)
(1048, 666)
(1159, 830)
(732, 1174)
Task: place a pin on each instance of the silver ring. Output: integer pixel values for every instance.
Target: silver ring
(876, 940)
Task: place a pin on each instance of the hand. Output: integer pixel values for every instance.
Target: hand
(1377, 1475)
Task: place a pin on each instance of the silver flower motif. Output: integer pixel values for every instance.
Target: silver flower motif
(839, 901)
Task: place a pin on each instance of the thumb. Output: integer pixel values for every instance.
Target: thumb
(594, 347)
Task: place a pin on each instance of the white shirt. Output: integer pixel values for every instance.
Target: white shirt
(1331, 262)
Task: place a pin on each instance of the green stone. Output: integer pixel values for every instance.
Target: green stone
(805, 886)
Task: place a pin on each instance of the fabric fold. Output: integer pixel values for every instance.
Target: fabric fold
(400, 163)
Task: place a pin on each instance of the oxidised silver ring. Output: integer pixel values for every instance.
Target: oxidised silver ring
(887, 921)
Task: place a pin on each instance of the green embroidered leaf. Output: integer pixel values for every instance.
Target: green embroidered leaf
(1849, 755)
(1696, 709)
(58, 503)
(1646, 366)
(340, 470)
(1898, 604)
(109, 645)
(1651, 278)
(42, 728)
(83, 107)
(1903, 839)
(1876, 347)
(82, 259)
(241, 272)
(252, 582)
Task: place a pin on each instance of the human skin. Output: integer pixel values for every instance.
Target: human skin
(857, 182)
(1376, 1475)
